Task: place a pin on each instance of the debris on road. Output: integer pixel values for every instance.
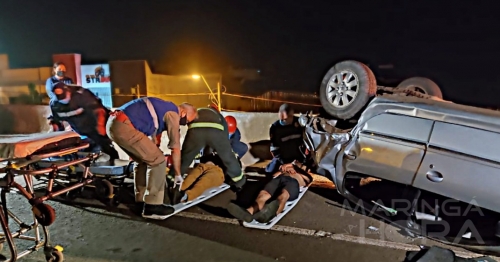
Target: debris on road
(322, 182)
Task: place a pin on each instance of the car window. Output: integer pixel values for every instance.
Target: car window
(466, 140)
(398, 126)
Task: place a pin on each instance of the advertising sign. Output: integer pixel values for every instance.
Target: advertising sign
(96, 78)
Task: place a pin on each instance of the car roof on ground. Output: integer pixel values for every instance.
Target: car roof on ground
(434, 110)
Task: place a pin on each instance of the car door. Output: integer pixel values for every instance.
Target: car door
(462, 163)
(389, 146)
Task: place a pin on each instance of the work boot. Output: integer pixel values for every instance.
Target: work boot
(268, 212)
(237, 186)
(239, 212)
(159, 212)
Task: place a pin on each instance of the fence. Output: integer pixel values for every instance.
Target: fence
(268, 102)
(236, 102)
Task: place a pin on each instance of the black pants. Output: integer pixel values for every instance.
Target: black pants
(198, 138)
(290, 184)
(105, 143)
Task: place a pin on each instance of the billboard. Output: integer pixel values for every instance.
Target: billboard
(97, 79)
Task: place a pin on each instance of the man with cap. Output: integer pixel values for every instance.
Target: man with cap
(130, 126)
(84, 112)
(238, 147)
(209, 130)
(286, 139)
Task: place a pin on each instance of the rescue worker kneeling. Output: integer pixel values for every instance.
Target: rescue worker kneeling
(209, 129)
(286, 139)
(238, 147)
(207, 174)
(84, 112)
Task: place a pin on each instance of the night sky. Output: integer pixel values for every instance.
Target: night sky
(455, 43)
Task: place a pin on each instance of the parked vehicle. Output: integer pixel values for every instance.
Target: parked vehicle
(438, 164)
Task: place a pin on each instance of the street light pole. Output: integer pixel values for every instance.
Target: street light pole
(219, 83)
(210, 89)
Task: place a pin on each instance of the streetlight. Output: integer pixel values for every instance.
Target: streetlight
(210, 89)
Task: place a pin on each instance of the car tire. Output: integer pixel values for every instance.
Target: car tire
(422, 85)
(346, 89)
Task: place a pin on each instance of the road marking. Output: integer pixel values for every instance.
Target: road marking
(320, 234)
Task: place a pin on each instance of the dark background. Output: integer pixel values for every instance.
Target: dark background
(293, 43)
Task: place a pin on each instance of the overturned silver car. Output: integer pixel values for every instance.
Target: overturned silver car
(430, 156)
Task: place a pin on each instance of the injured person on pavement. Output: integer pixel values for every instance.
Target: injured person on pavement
(285, 186)
(207, 174)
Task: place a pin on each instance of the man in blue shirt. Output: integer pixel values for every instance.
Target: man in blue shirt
(130, 126)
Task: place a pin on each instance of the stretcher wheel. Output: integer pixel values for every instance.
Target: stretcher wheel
(114, 201)
(104, 189)
(55, 256)
(44, 214)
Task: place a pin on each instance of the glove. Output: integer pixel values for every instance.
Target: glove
(56, 126)
(237, 186)
(178, 181)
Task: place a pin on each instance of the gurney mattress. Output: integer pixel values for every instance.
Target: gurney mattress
(98, 168)
(20, 145)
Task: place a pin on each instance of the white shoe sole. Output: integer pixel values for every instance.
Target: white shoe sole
(157, 217)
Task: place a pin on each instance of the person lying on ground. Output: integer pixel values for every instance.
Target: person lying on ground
(286, 184)
(203, 176)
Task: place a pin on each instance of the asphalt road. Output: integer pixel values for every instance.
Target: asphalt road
(317, 229)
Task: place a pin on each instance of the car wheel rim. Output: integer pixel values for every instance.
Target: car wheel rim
(342, 89)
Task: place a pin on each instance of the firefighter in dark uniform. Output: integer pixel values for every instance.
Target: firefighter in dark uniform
(84, 112)
(286, 139)
(210, 129)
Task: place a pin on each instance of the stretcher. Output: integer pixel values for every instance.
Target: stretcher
(288, 206)
(109, 180)
(20, 156)
(207, 194)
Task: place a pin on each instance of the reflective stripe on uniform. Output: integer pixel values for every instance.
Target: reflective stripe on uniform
(71, 113)
(206, 124)
(273, 148)
(238, 178)
(286, 138)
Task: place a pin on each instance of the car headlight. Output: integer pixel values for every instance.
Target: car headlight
(303, 120)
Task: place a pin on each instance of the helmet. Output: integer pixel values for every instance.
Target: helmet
(169, 161)
(231, 124)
